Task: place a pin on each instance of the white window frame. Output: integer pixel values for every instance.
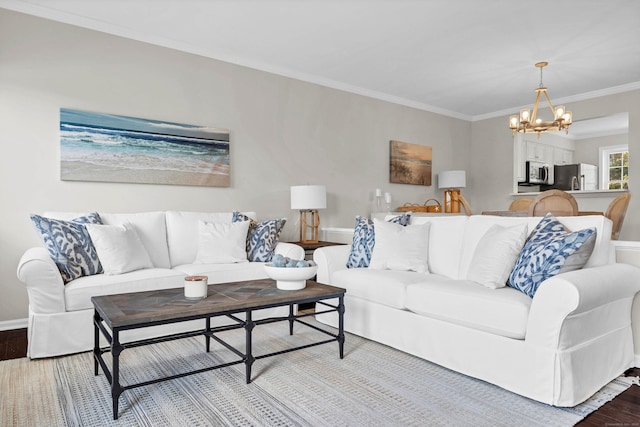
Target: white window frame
(604, 162)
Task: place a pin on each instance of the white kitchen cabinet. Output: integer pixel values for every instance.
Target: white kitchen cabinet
(535, 151)
(562, 156)
(520, 151)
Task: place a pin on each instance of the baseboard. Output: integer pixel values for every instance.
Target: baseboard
(7, 325)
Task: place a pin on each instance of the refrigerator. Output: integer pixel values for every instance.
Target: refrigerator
(581, 176)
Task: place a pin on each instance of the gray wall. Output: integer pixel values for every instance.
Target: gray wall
(283, 132)
(588, 149)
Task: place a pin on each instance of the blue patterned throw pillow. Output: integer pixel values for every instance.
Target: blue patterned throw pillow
(69, 245)
(262, 237)
(551, 249)
(364, 239)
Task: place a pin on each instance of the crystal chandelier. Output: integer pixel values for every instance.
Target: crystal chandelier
(529, 122)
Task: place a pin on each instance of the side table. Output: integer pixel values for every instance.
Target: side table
(309, 247)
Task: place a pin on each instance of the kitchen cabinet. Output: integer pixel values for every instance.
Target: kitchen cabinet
(538, 152)
(562, 156)
(520, 150)
(535, 152)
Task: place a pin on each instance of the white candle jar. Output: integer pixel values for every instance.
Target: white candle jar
(195, 287)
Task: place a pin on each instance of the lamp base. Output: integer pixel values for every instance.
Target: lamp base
(452, 200)
(309, 225)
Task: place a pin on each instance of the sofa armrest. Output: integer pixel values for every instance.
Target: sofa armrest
(290, 250)
(329, 260)
(42, 278)
(571, 307)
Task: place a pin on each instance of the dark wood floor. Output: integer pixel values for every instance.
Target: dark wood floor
(623, 411)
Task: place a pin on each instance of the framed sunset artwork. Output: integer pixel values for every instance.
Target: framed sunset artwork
(113, 148)
(409, 163)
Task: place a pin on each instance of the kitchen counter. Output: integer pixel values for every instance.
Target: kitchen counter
(578, 193)
(521, 213)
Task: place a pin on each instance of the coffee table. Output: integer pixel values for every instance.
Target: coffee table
(116, 313)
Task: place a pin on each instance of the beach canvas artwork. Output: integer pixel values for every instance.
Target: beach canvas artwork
(409, 163)
(112, 148)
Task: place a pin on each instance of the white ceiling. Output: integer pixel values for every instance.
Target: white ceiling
(470, 59)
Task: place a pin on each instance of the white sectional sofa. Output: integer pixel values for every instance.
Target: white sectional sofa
(559, 347)
(61, 314)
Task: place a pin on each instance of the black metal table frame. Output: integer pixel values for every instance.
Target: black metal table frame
(116, 347)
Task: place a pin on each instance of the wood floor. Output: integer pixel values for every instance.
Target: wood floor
(623, 411)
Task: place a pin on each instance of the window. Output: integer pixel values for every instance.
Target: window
(614, 167)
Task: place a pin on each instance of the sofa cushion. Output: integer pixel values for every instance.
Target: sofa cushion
(496, 254)
(400, 247)
(386, 287)
(69, 244)
(445, 243)
(364, 239)
(551, 249)
(78, 293)
(262, 237)
(220, 243)
(503, 311)
(119, 248)
(152, 230)
(601, 253)
(182, 232)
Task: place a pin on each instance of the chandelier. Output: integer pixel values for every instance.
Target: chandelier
(529, 122)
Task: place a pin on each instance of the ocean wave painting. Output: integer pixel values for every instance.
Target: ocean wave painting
(112, 148)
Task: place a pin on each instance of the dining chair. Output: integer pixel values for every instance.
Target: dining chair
(520, 205)
(465, 205)
(556, 202)
(616, 212)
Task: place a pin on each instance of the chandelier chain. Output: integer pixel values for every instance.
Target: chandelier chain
(541, 85)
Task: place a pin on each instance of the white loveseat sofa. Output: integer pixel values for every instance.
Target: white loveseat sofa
(559, 347)
(61, 315)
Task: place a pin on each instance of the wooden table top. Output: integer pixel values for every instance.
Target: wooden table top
(138, 308)
(316, 245)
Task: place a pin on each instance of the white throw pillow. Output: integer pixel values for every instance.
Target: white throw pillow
(496, 254)
(119, 248)
(221, 243)
(400, 248)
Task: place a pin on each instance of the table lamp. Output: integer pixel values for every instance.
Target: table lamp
(452, 182)
(308, 199)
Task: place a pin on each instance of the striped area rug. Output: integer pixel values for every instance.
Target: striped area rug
(373, 385)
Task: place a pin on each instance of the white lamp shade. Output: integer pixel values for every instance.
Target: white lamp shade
(305, 197)
(452, 179)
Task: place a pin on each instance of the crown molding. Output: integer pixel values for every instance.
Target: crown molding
(574, 98)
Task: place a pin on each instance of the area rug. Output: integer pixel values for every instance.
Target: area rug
(374, 385)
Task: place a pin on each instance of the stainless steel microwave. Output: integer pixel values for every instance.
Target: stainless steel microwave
(536, 173)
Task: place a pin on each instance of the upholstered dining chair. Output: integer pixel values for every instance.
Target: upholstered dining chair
(465, 205)
(556, 202)
(616, 212)
(520, 205)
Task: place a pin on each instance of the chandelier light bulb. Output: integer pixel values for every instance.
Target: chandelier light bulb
(568, 118)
